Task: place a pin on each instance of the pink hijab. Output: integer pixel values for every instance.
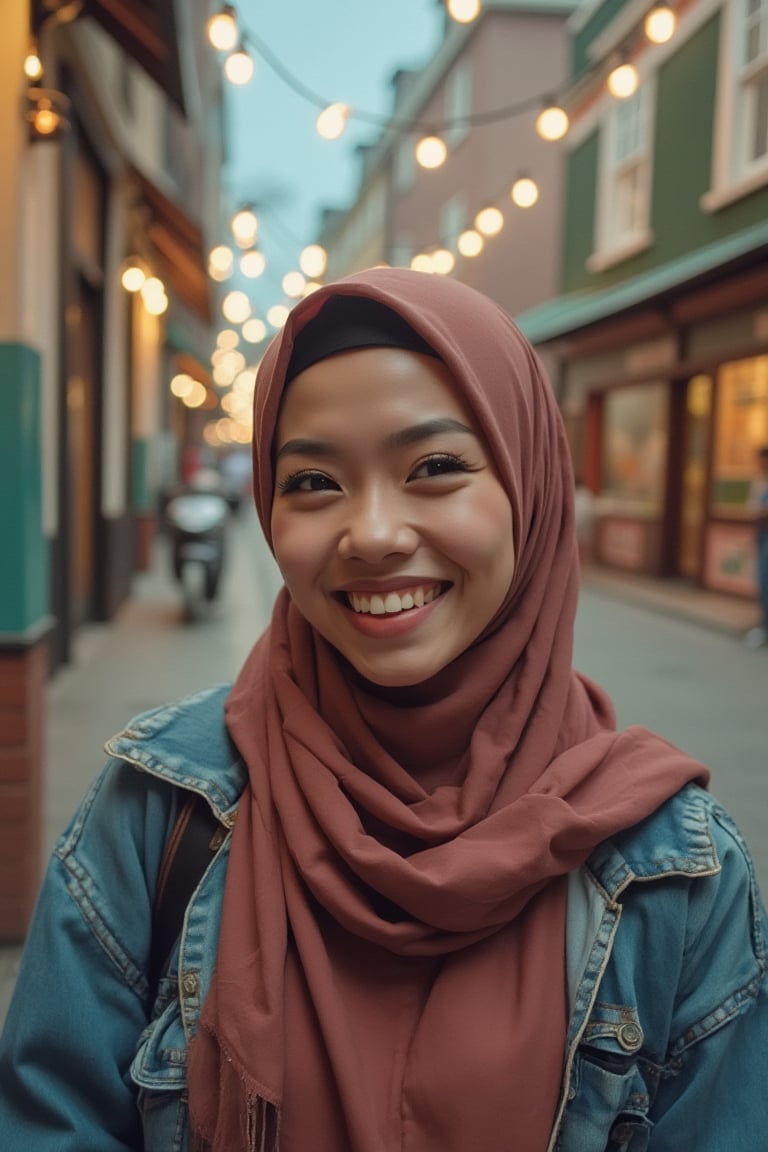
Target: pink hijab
(391, 962)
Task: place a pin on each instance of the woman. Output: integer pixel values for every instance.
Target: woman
(457, 909)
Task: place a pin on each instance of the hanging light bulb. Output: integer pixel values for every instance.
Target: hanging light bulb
(254, 330)
(422, 262)
(332, 121)
(660, 24)
(222, 30)
(293, 284)
(245, 227)
(154, 296)
(443, 261)
(236, 307)
(431, 152)
(253, 263)
(132, 276)
(489, 221)
(227, 339)
(463, 11)
(623, 80)
(313, 260)
(524, 192)
(220, 263)
(239, 66)
(552, 122)
(470, 243)
(33, 65)
(277, 315)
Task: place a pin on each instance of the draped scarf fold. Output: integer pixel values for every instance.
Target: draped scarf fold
(393, 923)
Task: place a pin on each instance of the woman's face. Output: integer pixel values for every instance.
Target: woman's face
(389, 524)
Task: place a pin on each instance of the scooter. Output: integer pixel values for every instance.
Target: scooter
(196, 521)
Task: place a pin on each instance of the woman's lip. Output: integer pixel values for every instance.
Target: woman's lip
(390, 624)
(369, 588)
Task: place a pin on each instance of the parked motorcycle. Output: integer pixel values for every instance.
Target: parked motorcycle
(196, 520)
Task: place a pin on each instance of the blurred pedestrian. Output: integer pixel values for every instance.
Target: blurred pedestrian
(757, 503)
(452, 907)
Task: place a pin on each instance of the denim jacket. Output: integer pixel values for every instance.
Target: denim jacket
(667, 1043)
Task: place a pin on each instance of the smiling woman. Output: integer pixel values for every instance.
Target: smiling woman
(457, 909)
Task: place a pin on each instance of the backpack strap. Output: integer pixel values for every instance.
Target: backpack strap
(195, 838)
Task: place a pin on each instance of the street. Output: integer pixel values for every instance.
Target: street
(695, 685)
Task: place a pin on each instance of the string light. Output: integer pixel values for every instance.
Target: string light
(313, 260)
(524, 192)
(245, 227)
(463, 11)
(33, 65)
(623, 80)
(236, 307)
(253, 263)
(470, 243)
(431, 152)
(332, 121)
(552, 122)
(239, 66)
(660, 24)
(222, 30)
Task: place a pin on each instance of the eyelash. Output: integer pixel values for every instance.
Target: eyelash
(292, 482)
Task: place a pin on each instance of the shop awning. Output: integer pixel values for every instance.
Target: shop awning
(178, 243)
(147, 30)
(570, 313)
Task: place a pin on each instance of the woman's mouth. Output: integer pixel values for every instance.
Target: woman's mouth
(392, 603)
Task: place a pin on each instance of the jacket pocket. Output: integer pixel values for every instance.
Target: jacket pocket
(608, 1099)
(159, 1071)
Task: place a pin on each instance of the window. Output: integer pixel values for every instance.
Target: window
(625, 179)
(741, 428)
(753, 80)
(741, 126)
(458, 103)
(405, 164)
(634, 450)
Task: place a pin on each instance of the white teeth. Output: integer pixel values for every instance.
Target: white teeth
(393, 602)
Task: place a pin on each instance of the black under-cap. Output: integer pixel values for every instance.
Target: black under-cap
(347, 322)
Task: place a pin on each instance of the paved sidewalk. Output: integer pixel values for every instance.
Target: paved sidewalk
(148, 656)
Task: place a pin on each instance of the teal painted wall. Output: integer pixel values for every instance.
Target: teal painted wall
(580, 207)
(24, 562)
(682, 168)
(580, 43)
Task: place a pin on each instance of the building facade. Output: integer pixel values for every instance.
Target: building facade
(659, 334)
(481, 93)
(111, 151)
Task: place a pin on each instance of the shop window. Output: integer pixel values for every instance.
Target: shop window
(625, 179)
(741, 133)
(634, 450)
(741, 427)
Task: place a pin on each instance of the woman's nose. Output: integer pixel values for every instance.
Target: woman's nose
(376, 527)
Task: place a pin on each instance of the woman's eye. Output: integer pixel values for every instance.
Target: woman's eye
(439, 465)
(306, 482)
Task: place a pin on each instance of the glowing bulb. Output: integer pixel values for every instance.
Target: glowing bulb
(332, 121)
(33, 65)
(422, 263)
(489, 221)
(222, 29)
(431, 152)
(313, 260)
(660, 24)
(277, 315)
(221, 258)
(623, 81)
(46, 120)
(443, 261)
(245, 226)
(181, 385)
(470, 243)
(552, 123)
(227, 339)
(238, 67)
(464, 11)
(524, 192)
(156, 304)
(132, 278)
(252, 264)
(236, 307)
(254, 330)
(293, 284)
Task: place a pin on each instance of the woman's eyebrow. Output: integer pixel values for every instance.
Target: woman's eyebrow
(303, 446)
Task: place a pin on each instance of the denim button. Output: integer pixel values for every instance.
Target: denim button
(630, 1036)
(189, 984)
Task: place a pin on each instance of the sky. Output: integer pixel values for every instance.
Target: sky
(345, 50)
